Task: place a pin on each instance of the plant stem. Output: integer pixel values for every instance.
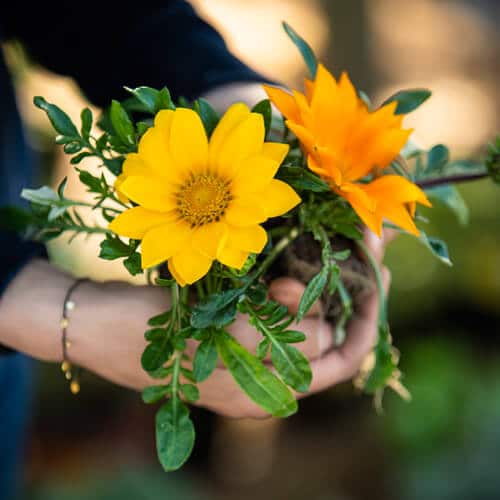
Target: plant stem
(280, 246)
(382, 302)
(452, 179)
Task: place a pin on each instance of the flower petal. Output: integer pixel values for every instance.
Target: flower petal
(162, 242)
(232, 117)
(210, 238)
(175, 274)
(251, 238)
(254, 174)
(278, 198)
(190, 265)
(245, 140)
(397, 189)
(152, 193)
(275, 150)
(135, 222)
(232, 257)
(284, 101)
(363, 205)
(246, 211)
(188, 141)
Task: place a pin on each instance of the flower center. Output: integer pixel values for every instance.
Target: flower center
(203, 198)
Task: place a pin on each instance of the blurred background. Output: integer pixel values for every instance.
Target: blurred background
(446, 321)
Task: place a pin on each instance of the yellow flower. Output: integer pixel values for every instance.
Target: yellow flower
(345, 142)
(200, 201)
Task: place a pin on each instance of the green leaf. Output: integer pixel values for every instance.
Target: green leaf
(72, 147)
(155, 355)
(155, 393)
(86, 118)
(208, 115)
(174, 434)
(313, 291)
(133, 264)
(290, 336)
(42, 196)
(264, 108)
(408, 100)
(205, 359)
(449, 196)
(304, 49)
(58, 118)
(334, 279)
(79, 157)
(190, 392)
(160, 319)
(114, 165)
(155, 334)
(122, 124)
(113, 248)
(262, 348)
(147, 96)
(437, 158)
(301, 179)
(384, 364)
(292, 365)
(437, 247)
(164, 100)
(254, 378)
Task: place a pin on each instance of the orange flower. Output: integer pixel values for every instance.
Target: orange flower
(345, 142)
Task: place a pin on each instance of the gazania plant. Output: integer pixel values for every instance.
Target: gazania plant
(213, 207)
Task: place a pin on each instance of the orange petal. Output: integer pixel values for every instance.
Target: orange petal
(284, 102)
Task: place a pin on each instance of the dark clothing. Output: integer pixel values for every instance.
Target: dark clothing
(145, 43)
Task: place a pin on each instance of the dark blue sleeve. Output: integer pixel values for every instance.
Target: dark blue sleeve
(131, 44)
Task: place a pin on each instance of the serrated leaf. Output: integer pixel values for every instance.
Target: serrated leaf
(122, 125)
(312, 293)
(408, 100)
(174, 434)
(155, 393)
(58, 118)
(205, 359)
(304, 49)
(254, 378)
(291, 365)
(264, 108)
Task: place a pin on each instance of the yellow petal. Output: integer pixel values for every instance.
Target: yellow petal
(175, 274)
(275, 150)
(210, 238)
(190, 265)
(152, 193)
(162, 242)
(284, 102)
(254, 174)
(188, 141)
(232, 117)
(246, 211)
(135, 222)
(135, 165)
(163, 121)
(251, 238)
(245, 140)
(278, 198)
(233, 257)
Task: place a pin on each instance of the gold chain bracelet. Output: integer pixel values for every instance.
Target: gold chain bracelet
(72, 373)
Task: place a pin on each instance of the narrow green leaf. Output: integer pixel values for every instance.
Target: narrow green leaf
(290, 336)
(408, 100)
(155, 334)
(205, 359)
(122, 124)
(262, 348)
(254, 378)
(86, 118)
(155, 355)
(301, 179)
(147, 96)
(384, 364)
(190, 392)
(449, 196)
(43, 196)
(304, 49)
(58, 118)
(437, 158)
(208, 115)
(79, 157)
(313, 291)
(72, 147)
(154, 393)
(291, 365)
(160, 319)
(264, 108)
(113, 248)
(333, 279)
(437, 247)
(174, 434)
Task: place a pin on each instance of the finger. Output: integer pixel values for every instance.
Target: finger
(375, 244)
(288, 291)
(343, 363)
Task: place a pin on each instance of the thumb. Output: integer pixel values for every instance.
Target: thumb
(288, 291)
